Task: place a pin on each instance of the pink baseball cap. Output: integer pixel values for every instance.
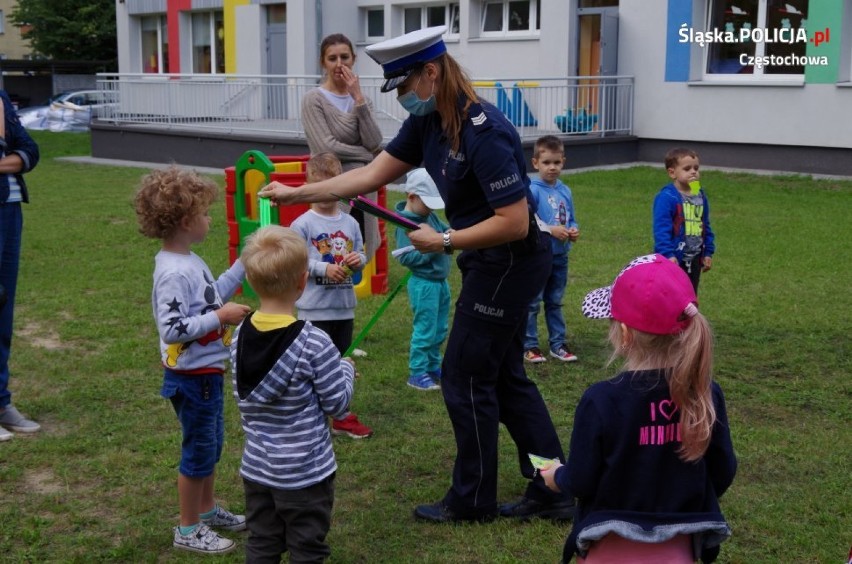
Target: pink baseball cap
(652, 294)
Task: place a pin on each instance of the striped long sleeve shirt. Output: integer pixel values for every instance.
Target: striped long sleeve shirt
(286, 382)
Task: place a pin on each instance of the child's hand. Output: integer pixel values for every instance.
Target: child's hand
(560, 232)
(232, 313)
(352, 362)
(352, 260)
(573, 234)
(673, 259)
(707, 264)
(335, 273)
(548, 474)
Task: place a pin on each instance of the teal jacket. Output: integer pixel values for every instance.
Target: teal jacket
(432, 266)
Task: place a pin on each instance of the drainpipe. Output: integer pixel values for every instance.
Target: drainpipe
(319, 28)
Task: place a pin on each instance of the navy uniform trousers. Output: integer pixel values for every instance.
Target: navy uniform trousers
(484, 382)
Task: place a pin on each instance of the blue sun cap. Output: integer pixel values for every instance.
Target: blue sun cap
(403, 55)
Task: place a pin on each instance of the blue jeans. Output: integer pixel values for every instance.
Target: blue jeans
(552, 294)
(198, 401)
(11, 226)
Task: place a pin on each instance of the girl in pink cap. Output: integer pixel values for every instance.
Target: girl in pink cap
(651, 449)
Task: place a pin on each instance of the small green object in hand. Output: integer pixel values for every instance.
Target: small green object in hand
(540, 463)
(265, 207)
(694, 187)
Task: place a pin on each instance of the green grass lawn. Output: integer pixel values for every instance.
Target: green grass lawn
(98, 483)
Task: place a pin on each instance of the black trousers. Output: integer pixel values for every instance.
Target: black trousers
(288, 520)
(484, 382)
(693, 270)
(340, 331)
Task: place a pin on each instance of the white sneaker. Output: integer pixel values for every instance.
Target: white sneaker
(5, 435)
(224, 519)
(203, 540)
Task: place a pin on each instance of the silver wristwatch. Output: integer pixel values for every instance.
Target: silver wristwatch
(448, 245)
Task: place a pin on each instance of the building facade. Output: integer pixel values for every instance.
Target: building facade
(12, 44)
(753, 83)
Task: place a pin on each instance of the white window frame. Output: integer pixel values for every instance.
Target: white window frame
(450, 9)
(162, 39)
(757, 74)
(366, 12)
(214, 54)
(504, 27)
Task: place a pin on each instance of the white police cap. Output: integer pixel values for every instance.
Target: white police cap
(402, 55)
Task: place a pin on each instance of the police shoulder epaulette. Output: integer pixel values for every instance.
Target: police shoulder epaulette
(478, 118)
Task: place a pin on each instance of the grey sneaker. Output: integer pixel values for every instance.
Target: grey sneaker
(202, 540)
(5, 435)
(12, 419)
(224, 519)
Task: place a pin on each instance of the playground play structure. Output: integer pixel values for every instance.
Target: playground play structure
(515, 108)
(252, 171)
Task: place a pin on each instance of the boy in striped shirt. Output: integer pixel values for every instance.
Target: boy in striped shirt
(288, 379)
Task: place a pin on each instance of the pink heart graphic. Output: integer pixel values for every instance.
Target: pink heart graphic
(668, 408)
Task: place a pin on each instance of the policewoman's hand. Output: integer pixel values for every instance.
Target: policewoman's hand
(548, 474)
(426, 239)
(278, 194)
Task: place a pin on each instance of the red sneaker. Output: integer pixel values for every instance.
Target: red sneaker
(350, 425)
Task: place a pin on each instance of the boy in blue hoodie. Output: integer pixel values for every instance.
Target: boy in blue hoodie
(682, 230)
(555, 210)
(428, 289)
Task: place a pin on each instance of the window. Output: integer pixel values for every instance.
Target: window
(430, 16)
(208, 42)
(768, 37)
(2, 22)
(276, 13)
(375, 23)
(155, 44)
(510, 17)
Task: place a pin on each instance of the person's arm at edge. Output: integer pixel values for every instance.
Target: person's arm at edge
(22, 152)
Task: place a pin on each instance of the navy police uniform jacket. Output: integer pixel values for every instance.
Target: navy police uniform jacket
(478, 177)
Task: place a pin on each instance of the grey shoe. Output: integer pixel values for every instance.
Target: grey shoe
(5, 435)
(224, 519)
(12, 419)
(202, 540)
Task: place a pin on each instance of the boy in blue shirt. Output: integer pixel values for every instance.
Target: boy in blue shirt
(555, 210)
(428, 289)
(682, 230)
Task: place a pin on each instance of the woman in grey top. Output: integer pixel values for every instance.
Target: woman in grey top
(338, 119)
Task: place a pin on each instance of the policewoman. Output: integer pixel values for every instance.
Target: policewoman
(474, 155)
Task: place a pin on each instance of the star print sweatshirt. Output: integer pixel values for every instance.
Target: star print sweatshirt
(185, 299)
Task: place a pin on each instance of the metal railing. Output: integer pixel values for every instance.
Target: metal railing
(270, 104)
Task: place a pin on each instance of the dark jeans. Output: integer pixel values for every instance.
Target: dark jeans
(288, 520)
(11, 226)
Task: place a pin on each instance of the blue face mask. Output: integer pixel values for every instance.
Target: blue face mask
(414, 105)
